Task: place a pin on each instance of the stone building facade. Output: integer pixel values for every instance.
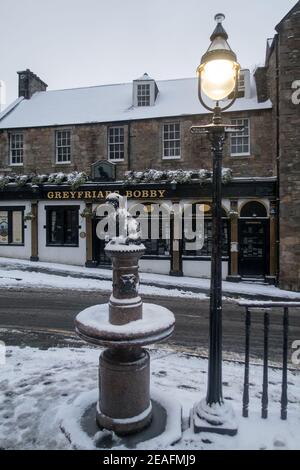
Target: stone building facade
(143, 146)
(281, 79)
(146, 125)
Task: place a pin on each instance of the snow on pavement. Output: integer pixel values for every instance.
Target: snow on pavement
(9, 265)
(25, 279)
(35, 385)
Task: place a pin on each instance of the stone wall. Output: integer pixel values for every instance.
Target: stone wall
(143, 139)
(289, 72)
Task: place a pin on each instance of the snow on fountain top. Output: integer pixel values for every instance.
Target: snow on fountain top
(93, 324)
(129, 239)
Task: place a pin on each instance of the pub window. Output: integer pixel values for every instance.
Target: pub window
(206, 250)
(253, 209)
(63, 146)
(154, 224)
(16, 148)
(171, 140)
(62, 226)
(240, 141)
(143, 94)
(11, 226)
(116, 143)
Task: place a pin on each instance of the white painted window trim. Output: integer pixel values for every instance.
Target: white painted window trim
(11, 149)
(241, 154)
(175, 157)
(57, 162)
(115, 160)
(152, 85)
(144, 96)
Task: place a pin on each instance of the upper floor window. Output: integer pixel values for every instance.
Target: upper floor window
(171, 140)
(63, 146)
(116, 143)
(16, 150)
(240, 141)
(143, 94)
(145, 91)
(241, 84)
(244, 85)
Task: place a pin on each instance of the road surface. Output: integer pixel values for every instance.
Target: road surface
(50, 310)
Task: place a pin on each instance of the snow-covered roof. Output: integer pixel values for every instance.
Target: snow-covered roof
(110, 103)
(144, 77)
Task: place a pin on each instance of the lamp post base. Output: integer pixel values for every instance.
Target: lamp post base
(218, 419)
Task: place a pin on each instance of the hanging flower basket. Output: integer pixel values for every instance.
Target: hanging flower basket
(29, 216)
(87, 213)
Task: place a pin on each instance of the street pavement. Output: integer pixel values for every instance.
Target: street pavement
(35, 318)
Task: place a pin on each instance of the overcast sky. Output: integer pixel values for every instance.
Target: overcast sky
(74, 43)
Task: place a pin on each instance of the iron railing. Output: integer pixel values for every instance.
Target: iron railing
(266, 307)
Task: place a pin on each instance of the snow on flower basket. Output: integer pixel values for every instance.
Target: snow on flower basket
(87, 213)
(29, 216)
(4, 180)
(174, 177)
(22, 180)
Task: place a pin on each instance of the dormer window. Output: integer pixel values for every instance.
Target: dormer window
(143, 95)
(241, 84)
(145, 91)
(244, 86)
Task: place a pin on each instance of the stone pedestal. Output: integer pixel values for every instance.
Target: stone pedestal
(124, 326)
(125, 304)
(124, 383)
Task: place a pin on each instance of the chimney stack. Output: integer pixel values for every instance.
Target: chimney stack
(29, 83)
(261, 80)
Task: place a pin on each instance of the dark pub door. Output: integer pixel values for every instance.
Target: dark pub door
(99, 254)
(254, 247)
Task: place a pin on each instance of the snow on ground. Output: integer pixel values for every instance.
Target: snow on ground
(12, 268)
(35, 385)
(15, 278)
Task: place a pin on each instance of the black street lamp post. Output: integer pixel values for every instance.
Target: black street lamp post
(218, 76)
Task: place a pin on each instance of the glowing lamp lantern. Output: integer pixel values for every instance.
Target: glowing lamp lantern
(219, 70)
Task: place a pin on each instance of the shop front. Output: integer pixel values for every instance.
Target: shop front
(57, 223)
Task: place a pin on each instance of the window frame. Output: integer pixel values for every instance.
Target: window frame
(235, 121)
(242, 83)
(11, 149)
(172, 157)
(143, 99)
(62, 243)
(153, 248)
(206, 256)
(57, 132)
(10, 210)
(109, 144)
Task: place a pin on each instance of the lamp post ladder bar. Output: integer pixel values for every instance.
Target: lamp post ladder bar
(284, 397)
(247, 365)
(265, 398)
